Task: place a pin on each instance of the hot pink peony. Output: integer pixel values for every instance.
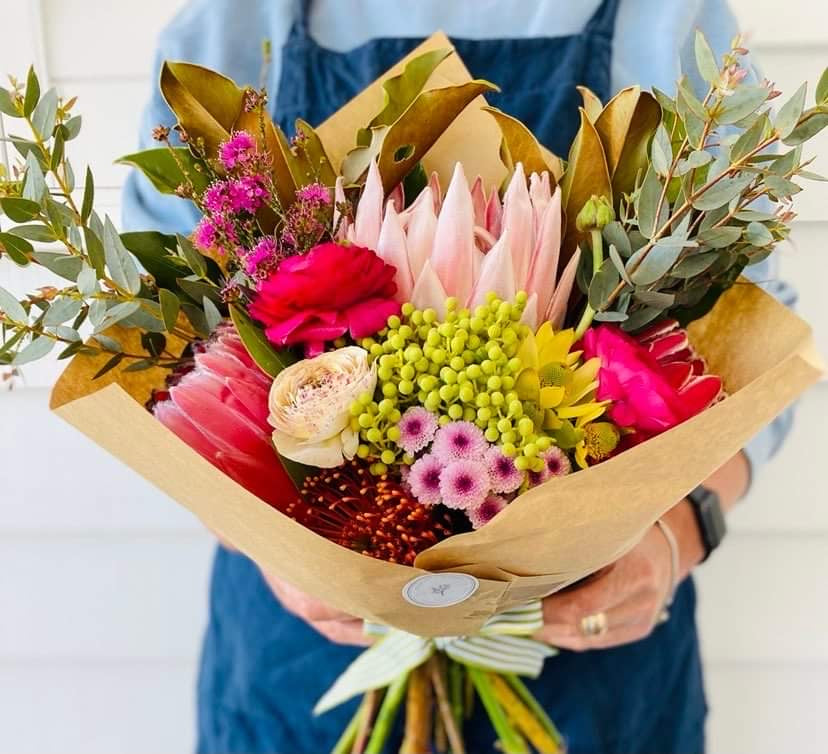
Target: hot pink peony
(654, 382)
(319, 296)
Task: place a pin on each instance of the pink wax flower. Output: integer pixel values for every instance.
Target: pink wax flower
(417, 427)
(504, 475)
(424, 479)
(236, 149)
(219, 408)
(653, 385)
(314, 193)
(245, 194)
(459, 439)
(324, 294)
(260, 257)
(486, 511)
(464, 484)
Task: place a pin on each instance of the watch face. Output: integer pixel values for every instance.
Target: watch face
(709, 516)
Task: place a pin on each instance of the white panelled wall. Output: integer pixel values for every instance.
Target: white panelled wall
(103, 580)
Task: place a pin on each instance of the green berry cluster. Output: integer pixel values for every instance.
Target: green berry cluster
(463, 368)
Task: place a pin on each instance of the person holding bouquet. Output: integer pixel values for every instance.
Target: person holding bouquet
(270, 651)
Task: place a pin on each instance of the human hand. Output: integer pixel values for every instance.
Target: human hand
(630, 593)
(334, 625)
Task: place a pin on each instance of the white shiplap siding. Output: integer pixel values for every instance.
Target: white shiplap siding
(103, 579)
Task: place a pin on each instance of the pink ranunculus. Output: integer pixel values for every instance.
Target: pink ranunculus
(654, 381)
(319, 296)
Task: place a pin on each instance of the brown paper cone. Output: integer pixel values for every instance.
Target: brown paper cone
(548, 538)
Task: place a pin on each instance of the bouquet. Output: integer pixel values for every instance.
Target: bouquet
(413, 362)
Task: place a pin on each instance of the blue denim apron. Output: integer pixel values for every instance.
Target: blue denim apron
(262, 669)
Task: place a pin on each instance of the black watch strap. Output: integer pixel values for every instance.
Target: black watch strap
(709, 517)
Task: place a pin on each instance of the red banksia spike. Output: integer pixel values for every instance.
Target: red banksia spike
(373, 515)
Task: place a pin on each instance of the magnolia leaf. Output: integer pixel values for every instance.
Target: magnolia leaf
(615, 235)
(809, 127)
(520, 145)
(19, 210)
(196, 262)
(586, 175)
(37, 349)
(719, 238)
(401, 90)
(758, 235)
(272, 139)
(625, 128)
(646, 268)
(419, 127)
(356, 162)
(722, 192)
(119, 261)
(258, 346)
(44, 115)
(17, 248)
(34, 185)
(170, 307)
(694, 264)
(749, 139)
(30, 99)
(790, 112)
(647, 204)
(592, 104)
(705, 59)
(743, 101)
(602, 284)
(206, 103)
(822, 88)
(318, 164)
(61, 310)
(156, 252)
(162, 166)
(662, 151)
(12, 308)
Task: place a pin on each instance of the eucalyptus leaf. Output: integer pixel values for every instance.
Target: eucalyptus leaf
(822, 88)
(661, 151)
(744, 100)
(786, 163)
(97, 312)
(615, 235)
(109, 366)
(37, 349)
(807, 129)
(141, 364)
(32, 94)
(749, 139)
(7, 105)
(43, 117)
(121, 265)
(170, 307)
(88, 195)
(18, 249)
(197, 289)
(645, 269)
(117, 313)
(65, 265)
(719, 238)
(655, 299)
(153, 343)
(688, 101)
(94, 251)
(19, 210)
(108, 343)
(641, 317)
(811, 176)
(195, 316)
(694, 264)
(647, 203)
(61, 310)
(790, 112)
(722, 192)
(705, 59)
(610, 316)
(87, 281)
(665, 101)
(67, 333)
(73, 127)
(34, 184)
(616, 259)
(781, 187)
(270, 360)
(603, 283)
(10, 306)
(758, 235)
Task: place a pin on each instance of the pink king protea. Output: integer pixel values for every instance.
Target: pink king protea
(469, 244)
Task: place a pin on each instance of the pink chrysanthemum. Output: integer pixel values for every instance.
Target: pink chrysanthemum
(504, 475)
(424, 479)
(538, 477)
(557, 462)
(261, 256)
(236, 149)
(417, 427)
(464, 484)
(314, 193)
(486, 511)
(458, 440)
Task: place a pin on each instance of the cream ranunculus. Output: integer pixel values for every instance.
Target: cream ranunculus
(310, 406)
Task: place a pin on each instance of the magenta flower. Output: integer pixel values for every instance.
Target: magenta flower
(464, 484)
(236, 149)
(261, 257)
(205, 236)
(557, 462)
(417, 427)
(424, 480)
(245, 194)
(458, 440)
(486, 511)
(504, 475)
(314, 193)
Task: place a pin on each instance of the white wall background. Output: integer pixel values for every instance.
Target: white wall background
(103, 580)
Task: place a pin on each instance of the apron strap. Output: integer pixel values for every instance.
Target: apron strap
(303, 17)
(603, 20)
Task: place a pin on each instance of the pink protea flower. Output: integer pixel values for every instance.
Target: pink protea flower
(424, 479)
(417, 427)
(464, 484)
(459, 439)
(469, 244)
(480, 515)
(219, 408)
(236, 149)
(504, 476)
(324, 294)
(654, 382)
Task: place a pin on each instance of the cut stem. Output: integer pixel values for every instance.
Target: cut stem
(346, 741)
(387, 714)
(597, 241)
(510, 740)
(529, 700)
(444, 707)
(523, 717)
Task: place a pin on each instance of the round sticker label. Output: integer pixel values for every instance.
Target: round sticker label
(440, 589)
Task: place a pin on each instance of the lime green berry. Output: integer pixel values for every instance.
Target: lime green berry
(407, 309)
(493, 383)
(491, 434)
(355, 408)
(389, 389)
(373, 435)
(497, 398)
(455, 411)
(386, 406)
(483, 399)
(526, 426)
(365, 421)
(407, 372)
(522, 463)
(508, 449)
(388, 456)
(530, 450)
(466, 393)
(393, 433)
(363, 451)
(394, 416)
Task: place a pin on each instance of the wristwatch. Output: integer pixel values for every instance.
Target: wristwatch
(709, 517)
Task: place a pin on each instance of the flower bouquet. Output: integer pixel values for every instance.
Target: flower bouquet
(426, 400)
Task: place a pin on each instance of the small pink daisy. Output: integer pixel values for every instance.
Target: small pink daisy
(464, 484)
(486, 511)
(557, 462)
(505, 476)
(458, 440)
(424, 479)
(417, 427)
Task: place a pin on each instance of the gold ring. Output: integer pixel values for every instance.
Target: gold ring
(594, 625)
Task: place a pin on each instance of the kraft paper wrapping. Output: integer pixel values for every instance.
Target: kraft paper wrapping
(551, 536)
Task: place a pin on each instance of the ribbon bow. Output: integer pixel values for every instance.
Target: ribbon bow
(503, 645)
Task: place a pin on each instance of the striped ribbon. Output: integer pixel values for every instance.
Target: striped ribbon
(503, 645)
